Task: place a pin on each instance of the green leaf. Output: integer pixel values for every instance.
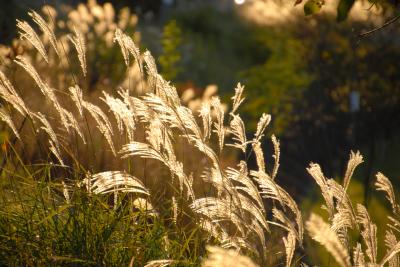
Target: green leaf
(343, 9)
(312, 6)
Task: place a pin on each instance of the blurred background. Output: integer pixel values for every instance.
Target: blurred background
(329, 90)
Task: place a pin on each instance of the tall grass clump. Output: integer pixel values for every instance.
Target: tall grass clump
(123, 173)
(350, 235)
(155, 150)
(47, 223)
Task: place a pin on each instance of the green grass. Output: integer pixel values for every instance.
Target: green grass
(39, 228)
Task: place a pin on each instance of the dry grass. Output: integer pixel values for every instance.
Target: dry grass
(155, 146)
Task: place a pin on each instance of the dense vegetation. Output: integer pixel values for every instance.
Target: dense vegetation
(105, 162)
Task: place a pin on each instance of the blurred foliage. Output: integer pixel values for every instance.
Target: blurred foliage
(344, 6)
(276, 84)
(171, 42)
(217, 46)
(340, 65)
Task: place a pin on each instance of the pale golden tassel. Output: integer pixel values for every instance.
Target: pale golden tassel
(45, 29)
(226, 258)
(321, 232)
(79, 42)
(28, 33)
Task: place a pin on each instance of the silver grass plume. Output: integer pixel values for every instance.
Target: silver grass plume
(276, 156)
(394, 224)
(116, 181)
(143, 150)
(208, 151)
(358, 256)
(128, 46)
(66, 193)
(215, 177)
(234, 198)
(285, 223)
(214, 229)
(176, 117)
(189, 122)
(28, 33)
(122, 41)
(239, 244)
(383, 184)
(103, 124)
(160, 140)
(354, 161)
(392, 250)
(224, 187)
(46, 29)
(290, 246)
(256, 213)
(368, 233)
(319, 177)
(261, 126)
(142, 112)
(72, 123)
(144, 205)
(48, 129)
(226, 258)
(219, 209)
(237, 99)
(205, 114)
(163, 88)
(238, 130)
(159, 263)
(345, 217)
(342, 221)
(4, 116)
(245, 184)
(174, 210)
(151, 68)
(256, 228)
(123, 115)
(271, 190)
(168, 159)
(115, 202)
(44, 88)
(219, 123)
(77, 97)
(53, 141)
(78, 41)
(9, 94)
(56, 152)
(321, 232)
(259, 156)
(24, 63)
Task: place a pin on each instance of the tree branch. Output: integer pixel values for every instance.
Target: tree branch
(387, 23)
